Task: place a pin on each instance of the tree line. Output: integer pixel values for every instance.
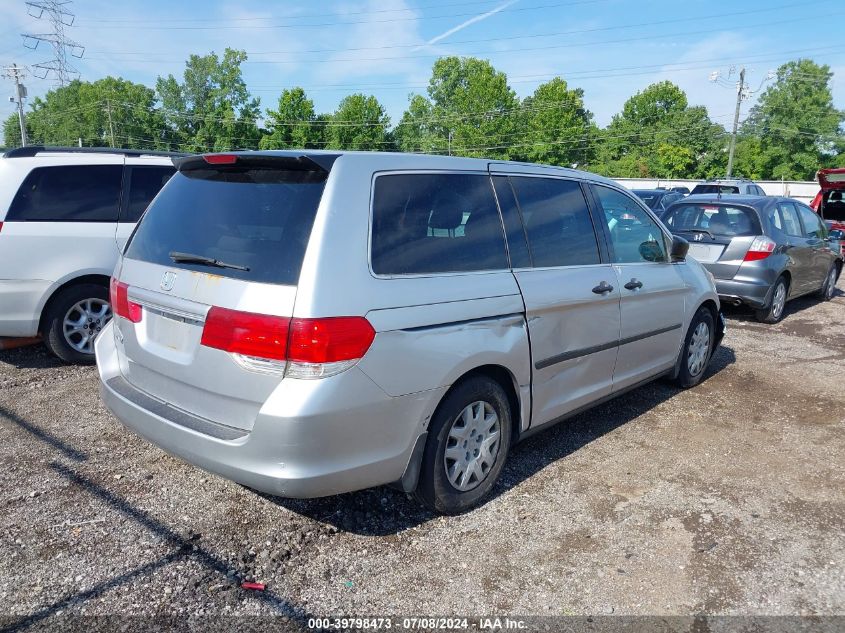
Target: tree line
(468, 109)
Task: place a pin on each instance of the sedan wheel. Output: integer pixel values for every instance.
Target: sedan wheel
(699, 349)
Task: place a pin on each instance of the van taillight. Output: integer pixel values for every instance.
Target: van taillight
(120, 304)
(310, 348)
(760, 248)
(1, 226)
(246, 333)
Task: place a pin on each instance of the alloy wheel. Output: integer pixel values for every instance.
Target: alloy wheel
(779, 300)
(83, 321)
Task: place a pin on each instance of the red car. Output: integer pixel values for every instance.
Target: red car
(829, 202)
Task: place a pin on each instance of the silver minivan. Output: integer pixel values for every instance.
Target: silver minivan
(312, 323)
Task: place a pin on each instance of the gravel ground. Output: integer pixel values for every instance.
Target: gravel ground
(725, 499)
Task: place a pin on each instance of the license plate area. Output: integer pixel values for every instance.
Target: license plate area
(706, 253)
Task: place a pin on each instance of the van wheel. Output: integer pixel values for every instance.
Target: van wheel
(774, 312)
(73, 319)
(467, 446)
(829, 285)
(697, 349)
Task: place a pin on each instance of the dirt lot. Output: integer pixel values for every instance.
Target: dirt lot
(728, 498)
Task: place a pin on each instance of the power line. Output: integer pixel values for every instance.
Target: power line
(59, 18)
(334, 60)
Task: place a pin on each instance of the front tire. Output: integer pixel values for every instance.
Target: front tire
(468, 443)
(774, 312)
(697, 349)
(73, 319)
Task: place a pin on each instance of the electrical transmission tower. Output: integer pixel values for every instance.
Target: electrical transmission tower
(55, 11)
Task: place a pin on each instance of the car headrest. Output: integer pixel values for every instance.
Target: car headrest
(835, 196)
(448, 212)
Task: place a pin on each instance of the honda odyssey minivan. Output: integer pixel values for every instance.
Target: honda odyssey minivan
(312, 323)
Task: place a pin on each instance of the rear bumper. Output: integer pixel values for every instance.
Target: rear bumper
(312, 438)
(738, 291)
(20, 303)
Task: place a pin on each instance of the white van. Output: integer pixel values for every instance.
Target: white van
(65, 214)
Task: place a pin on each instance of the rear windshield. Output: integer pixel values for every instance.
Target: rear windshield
(715, 189)
(254, 218)
(722, 220)
(650, 198)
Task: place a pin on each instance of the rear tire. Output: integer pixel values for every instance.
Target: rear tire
(73, 319)
(697, 349)
(774, 312)
(825, 293)
(467, 446)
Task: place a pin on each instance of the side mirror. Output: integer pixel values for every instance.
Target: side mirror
(680, 248)
(836, 235)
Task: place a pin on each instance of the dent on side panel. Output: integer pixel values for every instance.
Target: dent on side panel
(438, 344)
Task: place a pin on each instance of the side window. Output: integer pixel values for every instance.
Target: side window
(73, 193)
(634, 235)
(813, 227)
(514, 228)
(557, 222)
(786, 219)
(436, 223)
(143, 185)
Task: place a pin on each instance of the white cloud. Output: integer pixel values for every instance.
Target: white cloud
(465, 24)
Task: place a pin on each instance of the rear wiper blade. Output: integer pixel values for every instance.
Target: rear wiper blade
(188, 258)
(712, 237)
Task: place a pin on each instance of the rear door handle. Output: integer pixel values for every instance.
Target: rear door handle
(634, 284)
(602, 288)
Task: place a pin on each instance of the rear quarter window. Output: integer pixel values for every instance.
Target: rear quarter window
(435, 223)
(256, 218)
(68, 193)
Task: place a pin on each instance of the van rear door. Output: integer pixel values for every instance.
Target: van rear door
(216, 254)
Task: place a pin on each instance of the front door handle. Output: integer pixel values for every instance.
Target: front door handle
(602, 288)
(634, 284)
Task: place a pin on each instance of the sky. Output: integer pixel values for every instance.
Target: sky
(609, 48)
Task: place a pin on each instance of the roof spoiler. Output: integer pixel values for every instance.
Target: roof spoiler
(28, 151)
(293, 162)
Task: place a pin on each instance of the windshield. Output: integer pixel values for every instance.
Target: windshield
(721, 220)
(715, 189)
(651, 198)
(256, 220)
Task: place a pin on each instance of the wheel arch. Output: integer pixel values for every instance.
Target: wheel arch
(92, 278)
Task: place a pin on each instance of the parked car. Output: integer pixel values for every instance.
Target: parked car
(314, 323)
(763, 251)
(829, 201)
(680, 189)
(724, 186)
(658, 199)
(65, 214)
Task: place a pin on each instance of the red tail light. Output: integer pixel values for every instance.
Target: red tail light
(760, 248)
(313, 348)
(1, 226)
(247, 333)
(120, 304)
(220, 159)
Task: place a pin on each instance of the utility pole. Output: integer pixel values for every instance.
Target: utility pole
(740, 89)
(15, 73)
(111, 128)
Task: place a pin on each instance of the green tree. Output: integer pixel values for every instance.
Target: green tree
(12, 131)
(795, 122)
(107, 112)
(558, 128)
(292, 124)
(359, 123)
(470, 111)
(658, 134)
(211, 109)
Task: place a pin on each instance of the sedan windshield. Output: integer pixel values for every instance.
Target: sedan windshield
(715, 220)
